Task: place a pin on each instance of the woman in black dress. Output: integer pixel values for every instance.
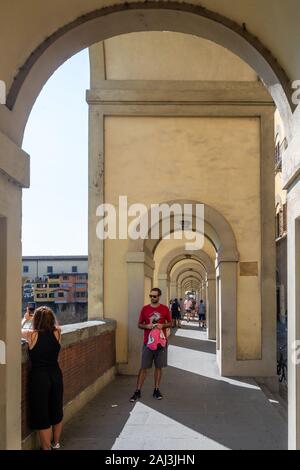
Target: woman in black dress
(45, 381)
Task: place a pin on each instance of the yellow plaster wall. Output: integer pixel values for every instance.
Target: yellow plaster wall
(212, 160)
(181, 57)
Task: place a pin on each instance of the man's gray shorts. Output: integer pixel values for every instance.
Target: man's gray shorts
(159, 357)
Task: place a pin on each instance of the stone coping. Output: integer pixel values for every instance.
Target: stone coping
(76, 332)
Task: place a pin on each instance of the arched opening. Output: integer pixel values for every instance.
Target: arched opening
(140, 259)
(177, 261)
(54, 254)
(151, 16)
(101, 25)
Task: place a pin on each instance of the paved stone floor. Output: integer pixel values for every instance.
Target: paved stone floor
(200, 409)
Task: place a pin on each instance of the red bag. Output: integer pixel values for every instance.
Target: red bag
(156, 339)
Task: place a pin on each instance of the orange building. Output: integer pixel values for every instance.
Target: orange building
(62, 288)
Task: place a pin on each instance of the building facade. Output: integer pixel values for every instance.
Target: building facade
(59, 282)
(61, 288)
(39, 266)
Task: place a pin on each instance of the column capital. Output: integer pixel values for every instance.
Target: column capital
(225, 257)
(139, 257)
(14, 162)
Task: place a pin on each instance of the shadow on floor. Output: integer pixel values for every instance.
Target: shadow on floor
(191, 343)
(200, 410)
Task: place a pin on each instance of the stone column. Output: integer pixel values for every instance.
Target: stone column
(217, 314)
(163, 284)
(204, 296)
(14, 175)
(200, 291)
(226, 356)
(173, 290)
(180, 293)
(294, 316)
(96, 197)
(10, 319)
(211, 307)
(291, 182)
(138, 266)
(3, 319)
(96, 184)
(268, 251)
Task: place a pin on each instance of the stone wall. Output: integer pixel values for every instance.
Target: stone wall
(88, 353)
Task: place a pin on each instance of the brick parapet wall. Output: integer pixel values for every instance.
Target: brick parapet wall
(88, 351)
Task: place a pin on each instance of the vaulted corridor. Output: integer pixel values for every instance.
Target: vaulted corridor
(200, 409)
(185, 106)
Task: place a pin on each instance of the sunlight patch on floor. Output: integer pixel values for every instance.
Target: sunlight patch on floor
(201, 363)
(192, 334)
(149, 429)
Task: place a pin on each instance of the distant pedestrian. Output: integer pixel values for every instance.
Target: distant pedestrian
(176, 317)
(202, 314)
(153, 316)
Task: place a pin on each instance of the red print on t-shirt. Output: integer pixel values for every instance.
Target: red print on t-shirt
(150, 314)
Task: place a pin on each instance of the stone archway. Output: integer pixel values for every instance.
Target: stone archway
(194, 282)
(180, 272)
(134, 17)
(178, 254)
(184, 277)
(140, 259)
(175, 256)
(169, 281)
(216, 228)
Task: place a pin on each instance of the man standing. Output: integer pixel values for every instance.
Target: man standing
(154, 315)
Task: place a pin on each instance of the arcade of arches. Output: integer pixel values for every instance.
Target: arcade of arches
(181, 110)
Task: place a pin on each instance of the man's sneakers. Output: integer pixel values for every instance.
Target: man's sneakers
(157, 394)
(136, 396)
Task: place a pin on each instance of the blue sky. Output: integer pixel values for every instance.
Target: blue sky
(55, 207)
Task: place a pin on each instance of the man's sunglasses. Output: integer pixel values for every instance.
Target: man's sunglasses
(154, 296)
